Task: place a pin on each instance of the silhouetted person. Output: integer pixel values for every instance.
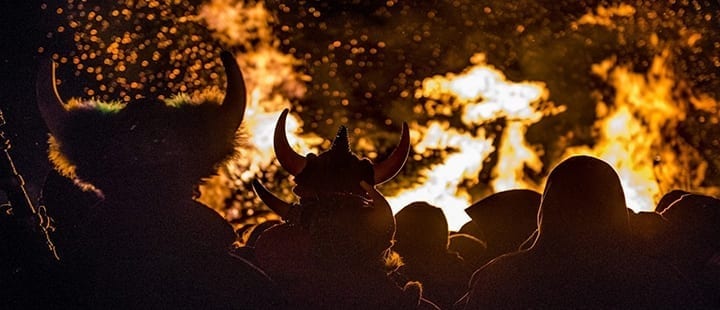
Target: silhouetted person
(421, 239)
(471, 249)
(506, 218)
(333, 251)
(338, 275)
(149, 244)
(649, 230)
(668, 199)
(694, 242)
(471, 228)
(581, 257)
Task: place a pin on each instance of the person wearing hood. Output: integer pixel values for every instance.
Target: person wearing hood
(582, 257)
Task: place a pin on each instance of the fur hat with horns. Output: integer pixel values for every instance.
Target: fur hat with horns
(180, 139)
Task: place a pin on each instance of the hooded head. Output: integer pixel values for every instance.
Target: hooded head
(668, 199)
(421, 229)
(583, 204)
(115, 146)
(506, 218)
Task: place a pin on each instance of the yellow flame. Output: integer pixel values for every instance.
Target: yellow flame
(482, 94)
(636, 134)
(237, 22)
(441, 183)
(265, 70)
(604, 15)
(513, 156)
(638, 131)
(630, 132)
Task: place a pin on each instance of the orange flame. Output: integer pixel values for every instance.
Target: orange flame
(635, 134)
(482, 94)
(266, 70)
(631, 132)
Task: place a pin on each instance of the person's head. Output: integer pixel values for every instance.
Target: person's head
(156, 143)
(697, 217)
(668, 199)
(583, 203)
(336, 171)
(471, 249)
(471, 228)
(421, 228)
(339, 213)
(506, 218)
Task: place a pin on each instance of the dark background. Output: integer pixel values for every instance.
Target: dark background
(21, 35)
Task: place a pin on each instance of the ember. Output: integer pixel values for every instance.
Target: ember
(495, 94)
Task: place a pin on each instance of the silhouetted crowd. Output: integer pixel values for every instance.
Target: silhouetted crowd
(145, 243)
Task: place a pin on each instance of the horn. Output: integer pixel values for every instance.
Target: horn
(276, 204)
(52, 108)
(388, 168)
(233, 106)
(341, 142)
(288, 158)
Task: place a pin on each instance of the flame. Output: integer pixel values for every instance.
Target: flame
(441, 182)
(477, 116)
(637, 133)
(266, 70)
(483, 95)
(604, 15)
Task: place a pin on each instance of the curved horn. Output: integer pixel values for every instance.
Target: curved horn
(233, 106)
(288, 158)
(52, 108)
(276, 204)
(390, 167)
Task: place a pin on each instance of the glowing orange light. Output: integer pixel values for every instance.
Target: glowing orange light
(482, 94)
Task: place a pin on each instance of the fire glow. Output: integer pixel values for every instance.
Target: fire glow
(482, 94)
(635, 130)
(635, 136)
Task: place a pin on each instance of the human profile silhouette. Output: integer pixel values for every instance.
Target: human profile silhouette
(582, 257)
